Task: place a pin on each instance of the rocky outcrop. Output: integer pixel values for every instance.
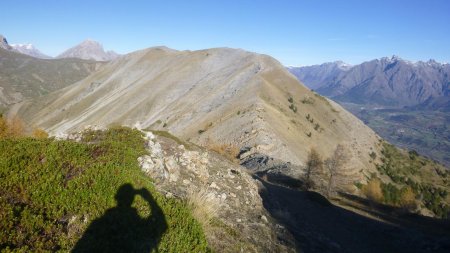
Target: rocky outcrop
(239, 222)
(4, 43)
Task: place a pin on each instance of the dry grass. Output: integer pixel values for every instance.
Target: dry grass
(204, 206)
(13, 128)
(39, 133)
(373, 190)
(229, 151)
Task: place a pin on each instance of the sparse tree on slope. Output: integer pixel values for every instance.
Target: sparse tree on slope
(314, 167)
(335, 165)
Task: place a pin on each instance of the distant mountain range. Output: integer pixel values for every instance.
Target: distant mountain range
(407, 103)
(86, 50)
(389, 81)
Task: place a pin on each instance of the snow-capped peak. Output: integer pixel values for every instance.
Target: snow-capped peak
(27, 46)
(30, 50)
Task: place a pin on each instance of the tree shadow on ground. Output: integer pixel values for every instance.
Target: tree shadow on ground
(320, 226)
(121, 229)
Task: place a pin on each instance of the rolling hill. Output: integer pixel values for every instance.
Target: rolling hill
(23, 77)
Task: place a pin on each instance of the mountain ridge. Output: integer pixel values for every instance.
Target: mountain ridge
(219, 95)
(388, 81)
(30, 49)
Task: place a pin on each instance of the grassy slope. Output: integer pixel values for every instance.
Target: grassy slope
(51, 191)
(31, 77)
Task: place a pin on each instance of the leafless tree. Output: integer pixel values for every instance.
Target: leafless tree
(335, 165)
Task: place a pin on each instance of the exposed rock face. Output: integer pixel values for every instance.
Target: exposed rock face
(241, 223)
(4, 43)
(89, 50)
(30, 50)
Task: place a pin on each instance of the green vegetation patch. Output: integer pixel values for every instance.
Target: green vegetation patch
(428, 180)
(88, 196)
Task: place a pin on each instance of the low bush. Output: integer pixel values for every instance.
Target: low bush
(39, 133)
(373, 190)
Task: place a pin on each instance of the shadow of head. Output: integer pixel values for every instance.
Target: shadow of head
(125, 195)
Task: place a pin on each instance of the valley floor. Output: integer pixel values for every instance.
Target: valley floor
(427, 132)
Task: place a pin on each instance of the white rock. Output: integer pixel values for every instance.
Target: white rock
(214, 185)
(264, 218)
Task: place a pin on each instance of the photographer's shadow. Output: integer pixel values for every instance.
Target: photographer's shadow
(121, 229)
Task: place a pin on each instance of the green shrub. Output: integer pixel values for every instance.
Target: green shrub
(316, 126)
(293, 107)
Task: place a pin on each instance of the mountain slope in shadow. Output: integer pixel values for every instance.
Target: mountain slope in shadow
(320, 226)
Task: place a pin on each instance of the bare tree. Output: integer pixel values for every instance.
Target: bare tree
(335, 165)
(314, 166)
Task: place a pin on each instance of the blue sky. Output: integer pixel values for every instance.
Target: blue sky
(294, 32)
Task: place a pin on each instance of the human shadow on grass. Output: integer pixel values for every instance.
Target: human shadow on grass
(121, 229)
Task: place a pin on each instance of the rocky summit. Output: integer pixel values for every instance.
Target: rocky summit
(4, 43)
(89, 50)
